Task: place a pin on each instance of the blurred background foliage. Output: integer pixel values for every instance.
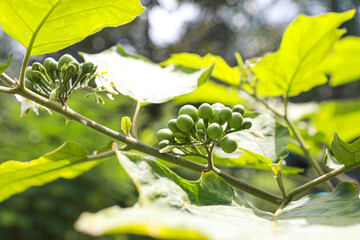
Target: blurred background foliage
(251, 27)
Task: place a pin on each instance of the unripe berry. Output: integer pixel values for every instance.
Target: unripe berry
(228, 144)
(225, 114)
(239, 108)
(218, 105)
(165, 134)
(164, 143)
(205, 111)
(172, 125)
(215, 118)
(64, 60)
(236, 120)
(247, 125)
(50, 64)
(215, 131)
(200, 125)
(191, 111)
(184, 122)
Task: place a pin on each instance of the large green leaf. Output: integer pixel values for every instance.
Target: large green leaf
(340, 116)
(171, 207)
(343, 65)
(295, 67)
(144, 81)
(270, 148)
(222, 71)
(68, 161)
(346, 153)
(50, 25)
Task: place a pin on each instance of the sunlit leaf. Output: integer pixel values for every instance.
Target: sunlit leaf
(50, 25)
(212, 92)
(295, 67)
(68, 161)
(126, 125)
(222, 71)
(341, 116)
(343, 64)
(346, 153)
(144, 81)
(6, 65)
(171, 207)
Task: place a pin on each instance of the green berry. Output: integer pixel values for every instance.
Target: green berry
(64, 60)
(191, 111)
(165, 134)
(28, 84)
(228, 144)
(215, 118)
(164, 143)
(172, 125)
(31, 75)
(225, 114)
(215, 131)
(200, 125)
(205, 111)
(88, 67)
(36, 66)
(184, 122)
(236, 120)
(239, 108)
(76, 65)
(247, 125)
(50, 64)
(218, 105)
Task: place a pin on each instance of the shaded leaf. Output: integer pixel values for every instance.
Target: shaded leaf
(68, 161)
(6, 65)
(343, 64)
(144, 81)
(222, 71)
(295, 67)
(331, 162)
(171, 207)
(346, 153)
(50, 25)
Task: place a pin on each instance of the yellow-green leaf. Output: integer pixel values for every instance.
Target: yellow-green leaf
(346, 153)
(49, 25)
(222, 71)
(68, 161)
(126, 125)
(343, 65)
(295, 67)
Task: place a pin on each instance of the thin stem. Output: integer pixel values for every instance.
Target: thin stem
(281, 184)
(135, 119)
(9, 81)
(100, 155)
(7, 90)
(320, 180)
(248, 188)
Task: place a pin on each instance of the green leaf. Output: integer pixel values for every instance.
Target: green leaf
(222, 71)
(126, 125)
(68, 161)
(6, 65)
(295, 67)
(343, 64)
(144, 81)
(46, 26)
(171, 207)
(211, 92)
(341, 116)
(272, 147)
(346, 153)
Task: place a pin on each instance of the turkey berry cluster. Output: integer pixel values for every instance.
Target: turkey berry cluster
(57, 80)
(209, 124)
